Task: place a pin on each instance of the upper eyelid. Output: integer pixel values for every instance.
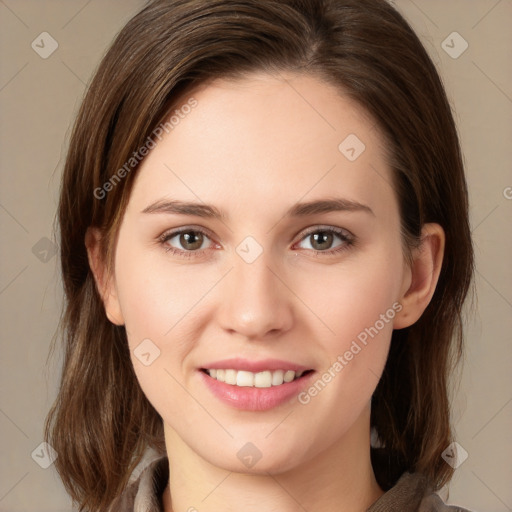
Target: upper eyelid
(176, 231)
(325, 227)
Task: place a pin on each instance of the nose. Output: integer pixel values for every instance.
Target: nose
(255, 301)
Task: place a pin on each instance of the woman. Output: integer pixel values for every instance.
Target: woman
(265, 250)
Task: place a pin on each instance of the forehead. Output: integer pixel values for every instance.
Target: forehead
(263, 137)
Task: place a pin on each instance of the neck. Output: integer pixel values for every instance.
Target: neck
(339, 478)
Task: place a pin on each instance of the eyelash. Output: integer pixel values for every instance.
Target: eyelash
(347, 238)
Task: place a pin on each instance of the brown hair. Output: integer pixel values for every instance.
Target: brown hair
(101, 422)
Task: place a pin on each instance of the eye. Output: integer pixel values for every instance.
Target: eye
(321, 240)
(186, 242)
(191, 242)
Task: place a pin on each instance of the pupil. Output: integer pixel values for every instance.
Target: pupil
(188, 239)
(322, 237)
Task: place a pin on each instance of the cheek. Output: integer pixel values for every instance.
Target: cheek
(163, 313)
(153, 312)
(348, 298)
(157, 299)
(356, 304)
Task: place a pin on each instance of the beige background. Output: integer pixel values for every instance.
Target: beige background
(39, 98)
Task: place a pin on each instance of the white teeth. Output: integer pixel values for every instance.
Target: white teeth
(230, 377)
(277, 377)
(264, 379)
(289, 376)
(245, 379)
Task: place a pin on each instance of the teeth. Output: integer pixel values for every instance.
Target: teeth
(277, 377)
(244, 379)
(230, 377)
(264, 379)
(289, 376)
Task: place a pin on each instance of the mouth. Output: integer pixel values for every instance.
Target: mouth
(255, 385)
(248, 379)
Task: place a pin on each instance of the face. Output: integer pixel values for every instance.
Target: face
(264, 275)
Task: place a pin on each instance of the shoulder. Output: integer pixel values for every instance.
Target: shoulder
(144, 493)
(432, 502)
(412, 493)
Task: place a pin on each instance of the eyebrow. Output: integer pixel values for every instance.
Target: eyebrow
(297, 210)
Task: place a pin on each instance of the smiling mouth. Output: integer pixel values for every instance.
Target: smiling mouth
(264, 379)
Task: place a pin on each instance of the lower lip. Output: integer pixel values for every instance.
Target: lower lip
(255, 399)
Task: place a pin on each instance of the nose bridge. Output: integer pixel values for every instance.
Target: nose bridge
(254, 300)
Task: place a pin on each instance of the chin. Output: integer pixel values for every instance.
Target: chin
(256, 458)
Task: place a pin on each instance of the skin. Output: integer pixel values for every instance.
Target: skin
(253, 148)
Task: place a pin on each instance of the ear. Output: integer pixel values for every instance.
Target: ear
(422, 276)
(104, 281)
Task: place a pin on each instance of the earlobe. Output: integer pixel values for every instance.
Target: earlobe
(104, 281)
(423, 276)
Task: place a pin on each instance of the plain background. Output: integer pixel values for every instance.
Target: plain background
(39, 98)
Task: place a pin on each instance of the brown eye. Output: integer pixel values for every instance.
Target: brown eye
(327, 240)
(191, 240)
(185, 241)
(321, 240)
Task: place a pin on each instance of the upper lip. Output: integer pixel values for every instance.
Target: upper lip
(237, 363)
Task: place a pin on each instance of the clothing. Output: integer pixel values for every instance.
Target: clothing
(409, 494)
